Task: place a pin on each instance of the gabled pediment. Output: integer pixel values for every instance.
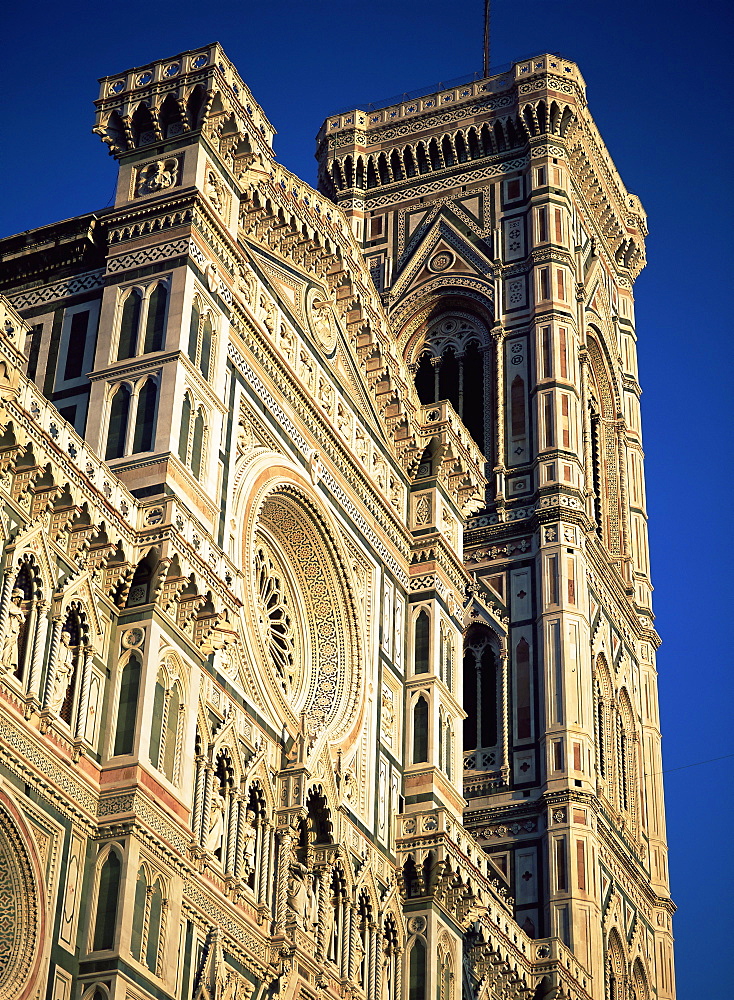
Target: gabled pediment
(442, 253)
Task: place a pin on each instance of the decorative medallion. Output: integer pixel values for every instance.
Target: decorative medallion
(441, 261)
(133, 637)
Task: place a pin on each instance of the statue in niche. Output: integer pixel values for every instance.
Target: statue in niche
(64, 672)
(246, 282)
(298, 887)
(10, 652)
(215, 834)
(250, 835)
(157, 176)
(213, 190)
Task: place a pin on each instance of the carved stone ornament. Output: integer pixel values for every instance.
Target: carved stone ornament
(133, 638)
(322, 322)
(21, 910)
(276, 620)
(156, 176)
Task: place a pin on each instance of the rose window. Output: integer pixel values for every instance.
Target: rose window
(276, 623)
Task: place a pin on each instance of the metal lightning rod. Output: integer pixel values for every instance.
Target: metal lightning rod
(486, 37)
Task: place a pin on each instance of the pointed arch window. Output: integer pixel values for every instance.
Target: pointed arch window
(422, 642)
(146, 938)
(481, 702)
(117, 430)
(130, 325)
(192, 436)
(155, 324)
(166, 726)
(417, 970)
(452, 364)
(127, 707)
(108, 892)
(201, 338)
(420, 731)
(145, 417)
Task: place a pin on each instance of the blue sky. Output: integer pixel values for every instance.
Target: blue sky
(658, 80)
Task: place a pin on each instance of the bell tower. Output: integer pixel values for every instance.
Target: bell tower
(505, 247)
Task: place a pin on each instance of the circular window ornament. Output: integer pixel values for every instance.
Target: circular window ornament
(117, 87)
(275, 618)
(200, 61)
(144, 79)
(441, 261)
(173, 69)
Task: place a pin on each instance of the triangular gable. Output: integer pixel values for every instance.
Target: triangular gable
(79, 588)
(33, 539)
(442, 249)
(289, 288)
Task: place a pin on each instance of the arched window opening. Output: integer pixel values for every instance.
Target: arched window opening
(183, 436)
(425, 379)
(451, 365)
(480, 698)
(412, 881)
(517, 407)
(155, 914)
(472, 403)
(197, 444)
(207, 333)
(127, 707)
(420, 731)
(117, 429)
(417, 971)
(156, 321)
(201, 338)
(448, 379)
(523, 705)
(129, 325)
(139, 913)
(144, 437)
(396, 166)
(169, 118)
(371, 175)
(409, 161)
(474, 150)
(448, 152)
(383, 169)
(107, 898)
(422, 158)
(421, 659)
(335, 938)
(166, 726)
(461, 153)
(434, 155)
(194, 324)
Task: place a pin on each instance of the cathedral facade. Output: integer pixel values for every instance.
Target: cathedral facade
(327, 658)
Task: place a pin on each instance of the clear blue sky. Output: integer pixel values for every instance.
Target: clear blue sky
(658, 79)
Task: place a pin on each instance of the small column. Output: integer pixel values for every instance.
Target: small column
(285, 838)
(5, 599)
(499, 469)
(374, 971)
(38, 649)
(352, 937)
(206, 804)
(266, 852)
(505, 723)
(53, 653)
(31, 625)
(197, 808)
(86, 672)
(232, 828)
